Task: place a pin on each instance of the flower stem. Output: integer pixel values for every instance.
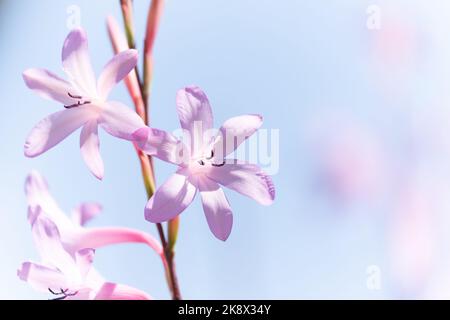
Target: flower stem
(146, 162)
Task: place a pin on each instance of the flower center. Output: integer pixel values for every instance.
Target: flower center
(205, 163)
(79, 101)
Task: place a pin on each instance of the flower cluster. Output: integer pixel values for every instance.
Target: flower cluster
(201, 155)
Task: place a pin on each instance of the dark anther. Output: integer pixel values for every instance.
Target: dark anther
(219, 164)
(62, 292)
(79, 102)
(201, 162)
(211, 156)
(74, 96)
(52, 292)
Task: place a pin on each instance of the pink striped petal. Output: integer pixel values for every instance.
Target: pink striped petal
(216, 207)
(233, 132)
(40, 277)
(175, 195)
(101, 237)
(49, 85)
(247, 179)
(89, 146)
(55, 128)
(77, 63)
(162, 145)
(120, 121)
(195, 115)
(115, 70)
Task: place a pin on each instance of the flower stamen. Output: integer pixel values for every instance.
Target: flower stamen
(63, 292)
(79, 102)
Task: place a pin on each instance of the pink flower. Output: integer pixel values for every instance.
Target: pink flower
(85, 102)
(202, 164)
(74, 236)
(65, 274)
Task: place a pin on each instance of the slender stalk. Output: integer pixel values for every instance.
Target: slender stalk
(141, 101)
(153, 22)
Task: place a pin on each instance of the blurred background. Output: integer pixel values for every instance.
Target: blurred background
(359, 91)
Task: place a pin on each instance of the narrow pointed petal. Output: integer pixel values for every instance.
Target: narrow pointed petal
(247, 179)
(55, 128)
(48, 243)
(216, 207)
(115, 70)
(195, 115)
(233, 132)
(77, 63)
(120, 121)
(161, 144)
(114, 291)
(84, 259)
(49, 85)
(89, 146)
(41, 201)
(83, 213)
(101, 237)
(40, 277)
(175, 195)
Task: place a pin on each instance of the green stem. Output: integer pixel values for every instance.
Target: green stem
(146, 161)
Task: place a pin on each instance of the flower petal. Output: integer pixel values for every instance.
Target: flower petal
(85, 212)
(77, 63)
(48, 243)
(247, 179)
(40, 277)
(115, 70)
(89, 146)
(195, 115)
(84, 259)
(216, 207)
(49, 85)
(120, 121)
(101, 237)
(162, 145)
(55, 128)
(114, 291)
(175, 195)
(233, 132)
(41, 201)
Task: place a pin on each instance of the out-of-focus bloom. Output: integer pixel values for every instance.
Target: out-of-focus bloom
(412, 241)
(65, 274)
(349, 161)
(202, 164)
(74, 236)
(85, 102)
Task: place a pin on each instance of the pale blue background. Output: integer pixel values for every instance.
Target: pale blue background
(291, 61)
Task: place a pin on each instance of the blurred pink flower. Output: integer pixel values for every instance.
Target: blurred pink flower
(350, 160)
(202, 164)
(412, 239)
(85, 102)
(74, 236)
(65, 274)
